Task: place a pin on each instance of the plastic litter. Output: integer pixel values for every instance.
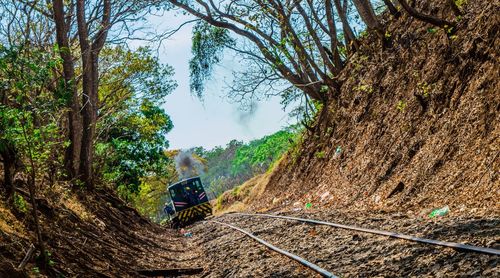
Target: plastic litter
(308, 205)
(338, 152)
(439, 212)
(188, 234)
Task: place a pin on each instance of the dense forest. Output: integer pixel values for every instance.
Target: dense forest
(81, 107)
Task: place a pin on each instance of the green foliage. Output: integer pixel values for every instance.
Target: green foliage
(432, 30)
(134, 126)
(153, 195)
(20, 203)
(401, 105)
(364, 88)
(238, 162)
(424, 88)
(261, 152)
(320, 154)
(131, 77)
(208, 43)
(30, 111)
(460, 3)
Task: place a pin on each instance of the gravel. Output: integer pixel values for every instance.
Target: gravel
(228, 253)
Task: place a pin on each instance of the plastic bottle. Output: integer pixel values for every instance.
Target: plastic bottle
(439, 212)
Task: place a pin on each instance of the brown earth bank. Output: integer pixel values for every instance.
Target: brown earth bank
(91, 235)
(229, 253)
(415, 126)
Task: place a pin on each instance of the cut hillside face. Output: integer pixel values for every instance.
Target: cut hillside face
(92, 235)
(415, 126)
(238, 199)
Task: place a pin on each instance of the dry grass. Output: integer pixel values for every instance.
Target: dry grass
(9, 224)
(239, 198)
(72, 203)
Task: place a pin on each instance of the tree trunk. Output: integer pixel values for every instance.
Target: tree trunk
(34, 211)
(72, 155)
(366, 12)
(348, 33)
(10, 163)
(90, 64)
(88, 106)
(392, 9)
(334, 43)
(425, 18)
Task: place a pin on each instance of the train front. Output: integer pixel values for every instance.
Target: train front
(190, 202)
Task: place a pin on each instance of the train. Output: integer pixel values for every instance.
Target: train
(189, 202)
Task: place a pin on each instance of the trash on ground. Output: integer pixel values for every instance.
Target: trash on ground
(308, 205)
(324, 195)
(439, 212)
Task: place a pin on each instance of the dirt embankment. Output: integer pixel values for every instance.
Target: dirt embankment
(91, 235)
(415, 126)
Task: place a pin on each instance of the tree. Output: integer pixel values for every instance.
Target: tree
(426, 18)
(366, 12)
(131, 126)
(349, 36)
(90, 49)
(62, 21)
(237, 162)
(281, 37)
(392, 9)
(94, 22)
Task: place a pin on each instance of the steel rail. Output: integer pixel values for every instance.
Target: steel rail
(302, 261)
(455, 245)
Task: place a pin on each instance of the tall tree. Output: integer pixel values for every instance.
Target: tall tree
(90, 49)
(91, 22)
(62, 20)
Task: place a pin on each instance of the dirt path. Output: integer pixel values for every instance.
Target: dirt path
(228, 253)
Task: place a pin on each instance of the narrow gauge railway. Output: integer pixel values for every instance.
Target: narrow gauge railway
(312, 266)
(455, 245)
(490, 252)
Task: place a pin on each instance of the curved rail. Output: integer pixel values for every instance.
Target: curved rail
(308, 264)
(459, 246)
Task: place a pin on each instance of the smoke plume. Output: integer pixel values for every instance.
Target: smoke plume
(187, 165)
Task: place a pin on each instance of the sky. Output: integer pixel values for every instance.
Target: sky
(214, 121)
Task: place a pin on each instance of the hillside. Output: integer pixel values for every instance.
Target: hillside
(87, 235)
(414, 127)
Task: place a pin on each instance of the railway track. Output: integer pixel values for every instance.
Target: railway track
(325, 273)
(301, 260)
(455, 245)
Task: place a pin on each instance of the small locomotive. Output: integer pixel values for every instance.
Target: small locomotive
(190, 202)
